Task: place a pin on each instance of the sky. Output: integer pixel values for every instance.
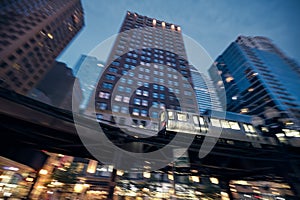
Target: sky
(212, 24)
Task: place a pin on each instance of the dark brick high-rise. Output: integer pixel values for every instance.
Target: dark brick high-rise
(32, 34)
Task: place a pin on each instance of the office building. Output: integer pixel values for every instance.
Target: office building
(56, 88)
(147, 70)
(205, 92)
(258, 77)
(88, 70)
(32, 34)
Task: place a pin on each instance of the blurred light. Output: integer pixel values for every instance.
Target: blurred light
(147, 174)
(43, 172)
(280, 135)
(120, 172)
(11, 168)
(92, 166)
(234, 98)
(214, 180)
(172, 27)
(49, 192)
(195, 179)
(250, 90)
(154, 22)
(163, 24)
(29, 179)
(50, 36)
(229, 79)
(244, 110)
(170, 177)
(178, 28)
(78, 188)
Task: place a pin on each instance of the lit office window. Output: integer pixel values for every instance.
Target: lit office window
(118, 98)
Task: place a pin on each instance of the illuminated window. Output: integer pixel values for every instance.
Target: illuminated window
(104, 95)
(229, 79)
(182, 117)
(234, 125)
(126, 99)
(135, 111)
(137, 101)
(225, 124)
(244, 110)
(144, 113)
(171, 115)
(145, 93)
(138, 92)
(144, 102)
(118, 98)
(215, 122)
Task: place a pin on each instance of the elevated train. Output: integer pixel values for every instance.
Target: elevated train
(173, 121)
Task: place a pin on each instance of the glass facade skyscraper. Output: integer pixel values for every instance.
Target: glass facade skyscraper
(205, 92)
(88, 70)
(147, 70)
(257, 77)
(33, 33)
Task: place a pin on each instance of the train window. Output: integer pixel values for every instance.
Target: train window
(182, 117)
(162, 116)
(215, 122)
(196, 120)
(252, 130)
(201, 119)
(225, 124)
(249, 128)
(234, 125)
(171, 115)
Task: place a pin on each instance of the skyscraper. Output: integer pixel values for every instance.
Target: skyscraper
(56, 88)
(33, 33)
(147, 70)
(205, 92)
(88, 70)
(258, 77)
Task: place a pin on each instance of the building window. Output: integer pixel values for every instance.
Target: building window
(145, 93)
(137, 101)
(120, 88)
(104, 95)
(155, 95)
(118, 98)
(144, 102)
(144, 113)
(116, 108)
(110, 77)
(161, 96)
(124, 110)
(128, 90)
(155, 104)
(126, 99)
(103, 106)
(107, 85)
(112, 69)
(138, 92)
(136, 111)
(154, 115)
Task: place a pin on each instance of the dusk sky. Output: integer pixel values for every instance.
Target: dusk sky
(213, 24)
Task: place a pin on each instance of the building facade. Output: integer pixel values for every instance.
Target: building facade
(33, 33)
(147, 70)
(205, 92)
(258, 77)
(59, 87)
